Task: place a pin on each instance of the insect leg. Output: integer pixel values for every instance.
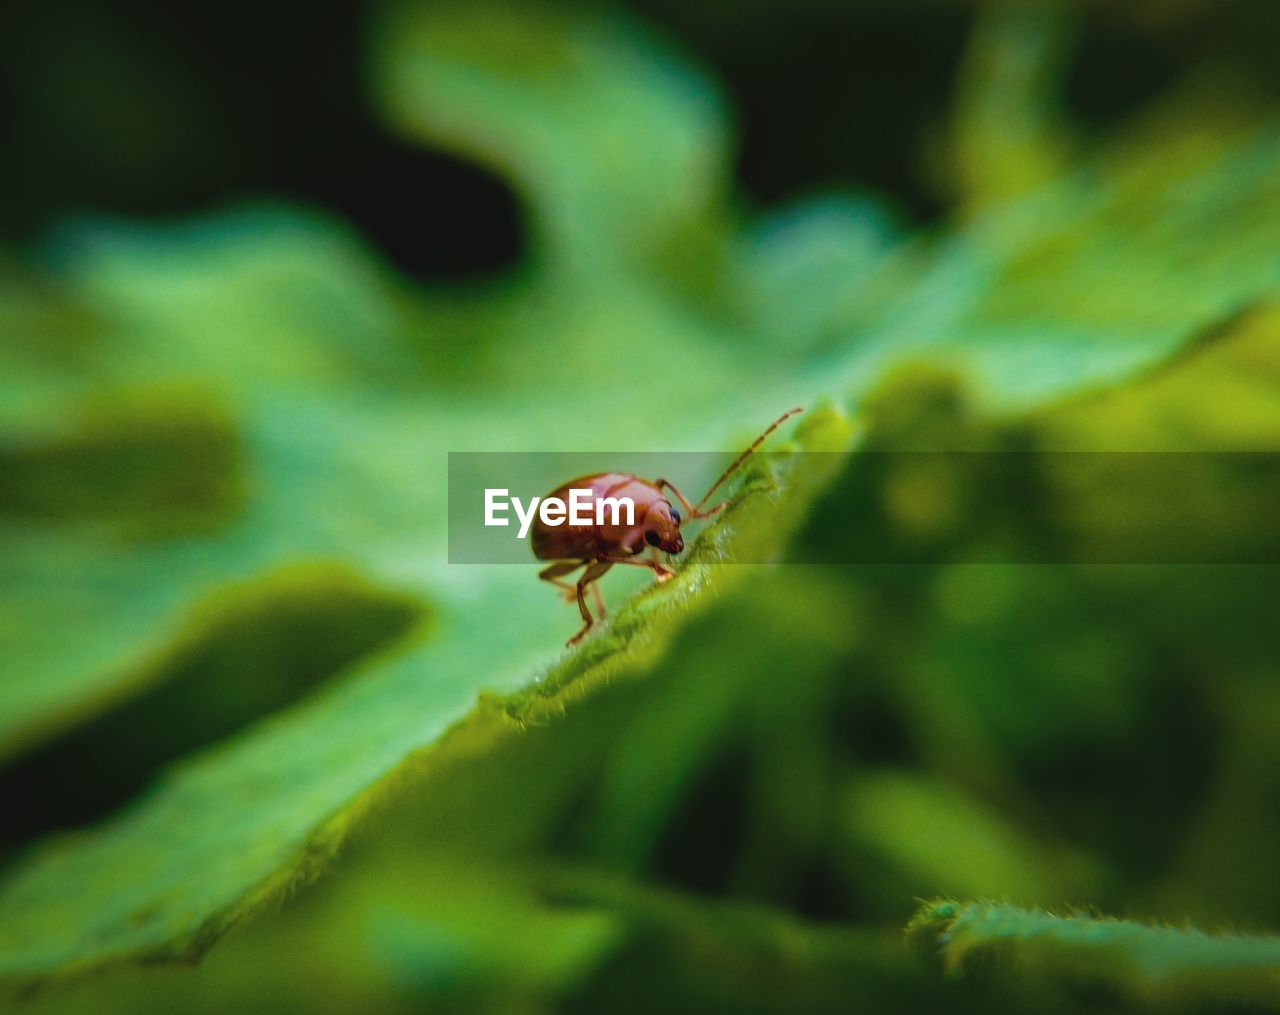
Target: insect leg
(553, 574)
(690, 510)
(660, 572)
(594, 571)
(684, 501)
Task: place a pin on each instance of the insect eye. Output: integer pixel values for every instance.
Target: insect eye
(652, 538)
(675, 516)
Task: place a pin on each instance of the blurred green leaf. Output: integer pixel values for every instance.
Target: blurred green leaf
(1007, 134)
(618, 146)
(1170, 965)
(334, 388)
(1103, 271)
(938, 836)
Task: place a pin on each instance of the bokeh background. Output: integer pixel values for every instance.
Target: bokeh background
(263, 266)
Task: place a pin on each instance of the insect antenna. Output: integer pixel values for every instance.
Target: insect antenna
(744, 456)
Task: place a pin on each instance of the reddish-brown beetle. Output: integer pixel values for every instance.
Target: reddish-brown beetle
(598, 547)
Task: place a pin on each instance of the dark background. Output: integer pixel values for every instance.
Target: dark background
(144, 108)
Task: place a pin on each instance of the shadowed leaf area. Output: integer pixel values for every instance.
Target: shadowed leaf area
(248, 655)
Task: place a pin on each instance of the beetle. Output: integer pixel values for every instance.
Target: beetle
(597, 547)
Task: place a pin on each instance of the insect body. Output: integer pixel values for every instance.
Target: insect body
(597, 547)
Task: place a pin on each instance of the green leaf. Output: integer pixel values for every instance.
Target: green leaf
(339, 388)
(617, 144)
(1006, 135)
(1095, 275)
(227, 832)
(937, 836)
(1141, 961)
